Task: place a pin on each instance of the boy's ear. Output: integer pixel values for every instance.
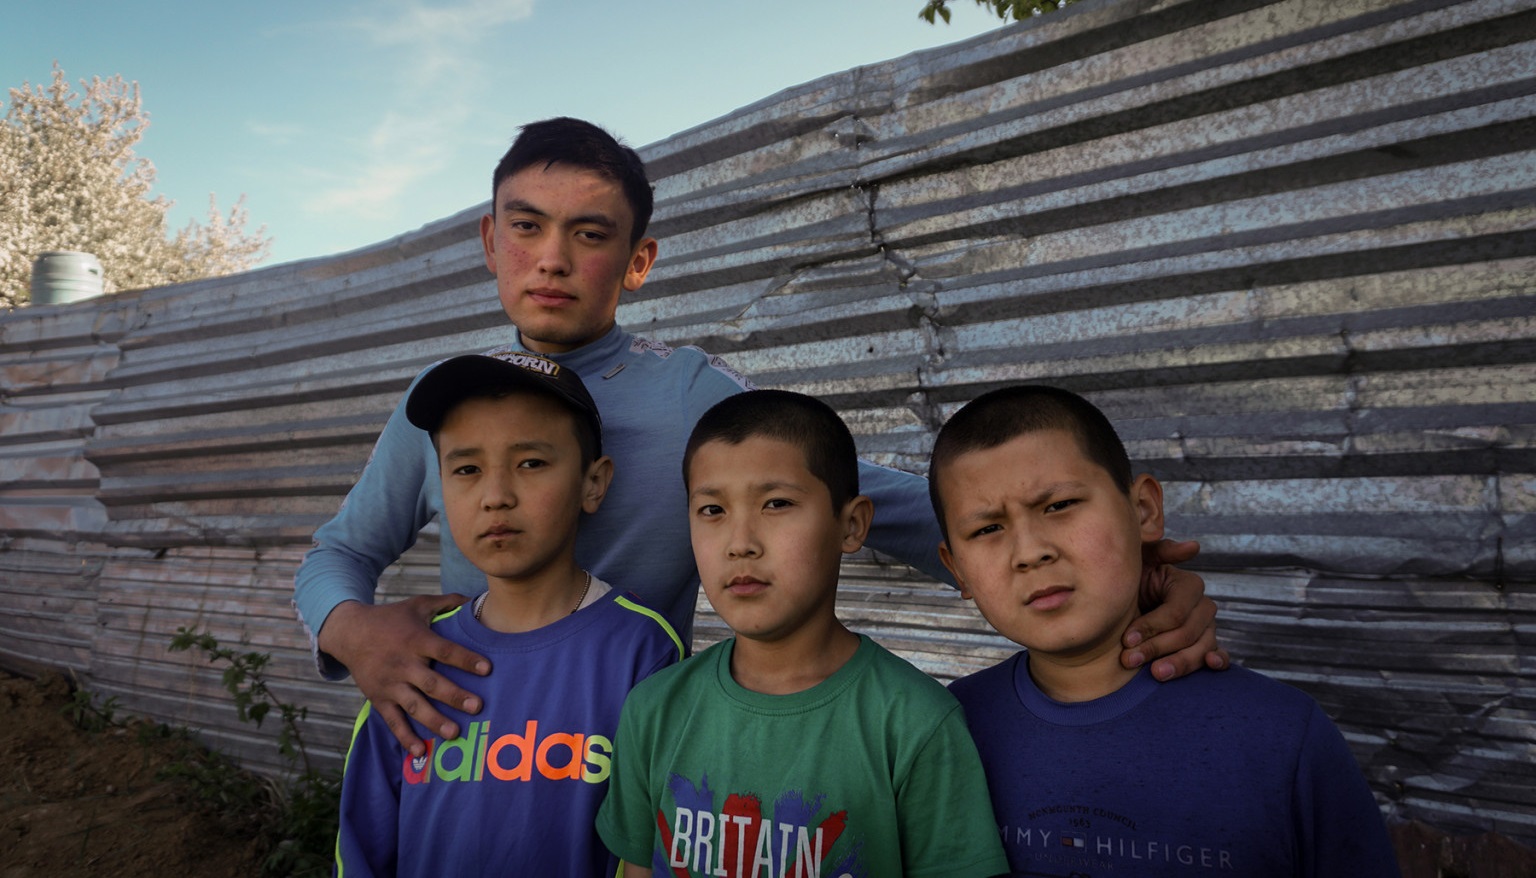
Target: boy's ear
(1147, 498)
(595, 484)
(855, 520)
(640, 263)
(488, 240)
(949, 564)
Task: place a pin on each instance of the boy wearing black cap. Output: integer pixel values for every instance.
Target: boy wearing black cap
(519, 447)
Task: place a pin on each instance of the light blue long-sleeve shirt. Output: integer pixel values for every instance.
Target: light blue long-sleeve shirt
(649, 396)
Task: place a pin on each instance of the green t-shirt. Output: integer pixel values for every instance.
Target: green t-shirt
(871, 772)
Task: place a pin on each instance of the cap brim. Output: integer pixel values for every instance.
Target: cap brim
(452, 381)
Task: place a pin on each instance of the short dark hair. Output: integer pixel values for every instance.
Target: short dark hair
(995, 417)
(568, 141)
(803, 421)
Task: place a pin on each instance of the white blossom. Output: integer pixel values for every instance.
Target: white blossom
(69, 180)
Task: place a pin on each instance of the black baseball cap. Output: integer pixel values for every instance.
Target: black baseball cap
(456, 379)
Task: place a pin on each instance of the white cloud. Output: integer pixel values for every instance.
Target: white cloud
(275, 133)
(435, 72)
(401, 150)
(416, 23)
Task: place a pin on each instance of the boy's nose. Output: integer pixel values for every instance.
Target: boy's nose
(743, 543)
(498, 493)
(553, 256)
(1029, 550)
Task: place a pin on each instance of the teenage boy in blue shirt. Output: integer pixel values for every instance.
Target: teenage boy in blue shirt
(565, 239)
(795, 748)
(1043, 526)
(520, 451)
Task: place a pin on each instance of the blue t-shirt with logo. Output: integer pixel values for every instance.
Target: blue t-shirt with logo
(517, 792)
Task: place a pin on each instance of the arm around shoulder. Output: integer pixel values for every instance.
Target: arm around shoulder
(904, 526)
(1178, 633)
(377, 522)
(389, 649)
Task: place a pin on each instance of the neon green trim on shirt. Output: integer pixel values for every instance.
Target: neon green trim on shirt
(661, 620)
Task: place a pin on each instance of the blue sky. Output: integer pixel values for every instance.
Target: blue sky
(346, 123)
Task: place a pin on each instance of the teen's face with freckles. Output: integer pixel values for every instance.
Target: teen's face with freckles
(513, 484)
(558, 242)
(1046, 543)
(766, 539)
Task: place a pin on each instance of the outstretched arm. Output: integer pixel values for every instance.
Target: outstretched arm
(1178, 633)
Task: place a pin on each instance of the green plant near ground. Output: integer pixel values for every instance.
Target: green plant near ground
(89, 713)
(243, 801)
(300, 816)
(245, 678)
(247, 803)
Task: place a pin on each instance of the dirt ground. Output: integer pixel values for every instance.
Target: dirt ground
(77, 803)
(83, 803)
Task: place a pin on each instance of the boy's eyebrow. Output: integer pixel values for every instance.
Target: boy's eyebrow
(1038, 498)
(468, 451)
(521, 206)
(756, 488)
(1053, 489)
(517, 205)
(460, 453)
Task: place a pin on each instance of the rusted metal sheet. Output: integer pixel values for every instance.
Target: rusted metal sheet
(1287, 246)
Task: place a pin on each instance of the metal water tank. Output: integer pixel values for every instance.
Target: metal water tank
(60, 276)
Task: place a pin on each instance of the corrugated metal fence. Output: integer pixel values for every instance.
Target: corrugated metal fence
(1288, 246)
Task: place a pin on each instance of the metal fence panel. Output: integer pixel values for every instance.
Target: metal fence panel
(1287, 246)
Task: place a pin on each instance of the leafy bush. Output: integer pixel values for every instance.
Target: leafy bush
(299, 817)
